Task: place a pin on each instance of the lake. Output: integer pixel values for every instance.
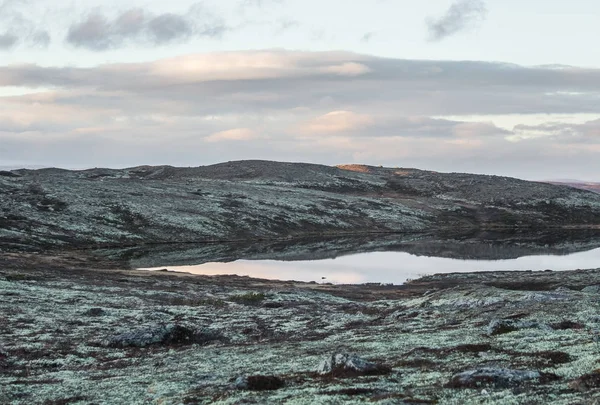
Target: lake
(385, 267)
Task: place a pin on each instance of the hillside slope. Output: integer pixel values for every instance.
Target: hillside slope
(259, 199)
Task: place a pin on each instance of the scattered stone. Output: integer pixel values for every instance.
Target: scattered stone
(259, 383)
(586, 382)
(565, 325)
(162, 334)
(273, 304)
(555, 357)
(349, 365)
(95, 312)
(496, 377)
(502, 326)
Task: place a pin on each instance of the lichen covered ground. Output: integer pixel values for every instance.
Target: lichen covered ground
(252, 200)
(70, 334)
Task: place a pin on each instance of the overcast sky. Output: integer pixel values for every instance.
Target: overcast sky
(487, 86)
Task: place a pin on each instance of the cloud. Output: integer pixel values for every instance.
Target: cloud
(170, 27)
(246, 68)
(40, 39)
(367, 37)
(285, 24)
(460, 15)
(338, 121)
(563, 132)
(19, 28)
(98, 32)
(8, 41)
(237, 134)
(348, 69)
(385, 125)
(264, 81)
(258, 80)
(328, 107)
(260, 3)
(478, 129)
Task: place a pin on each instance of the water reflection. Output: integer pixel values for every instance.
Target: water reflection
(386, 267)
(483, 245)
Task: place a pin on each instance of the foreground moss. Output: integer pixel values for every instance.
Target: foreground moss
(53, 325)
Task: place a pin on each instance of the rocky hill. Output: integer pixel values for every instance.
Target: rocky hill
(251, 200)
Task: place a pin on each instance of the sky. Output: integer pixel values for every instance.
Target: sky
(485, 86)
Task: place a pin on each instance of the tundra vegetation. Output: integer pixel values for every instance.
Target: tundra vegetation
(252, 200)
(81, 326)
(79, 335)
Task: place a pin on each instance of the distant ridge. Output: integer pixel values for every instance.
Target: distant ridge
(581, 185)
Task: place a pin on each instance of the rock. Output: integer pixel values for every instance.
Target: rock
(566, 324)
(592, 289)
(502, 326)
(259, 383)
(554, 357)
(496, 377)
(586, 382)
(273, 305)
(348, 365)
(95, 312)
(162, 334)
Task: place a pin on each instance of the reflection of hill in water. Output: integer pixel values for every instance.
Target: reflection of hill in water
(476, 246)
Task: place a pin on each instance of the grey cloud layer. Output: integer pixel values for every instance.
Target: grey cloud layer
(326, 107)
(98, 32)
(458, 17)
(566, 132)
(293, 79)
(8, 40)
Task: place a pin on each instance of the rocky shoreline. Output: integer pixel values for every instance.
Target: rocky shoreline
(72, 332)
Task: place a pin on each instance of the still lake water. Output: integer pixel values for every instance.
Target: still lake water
(386, 267)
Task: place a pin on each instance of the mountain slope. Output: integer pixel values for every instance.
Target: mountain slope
(260, 199)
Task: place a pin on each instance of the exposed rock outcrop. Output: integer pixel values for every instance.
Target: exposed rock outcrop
(342, 364)
(259, 383)
(162, 334)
